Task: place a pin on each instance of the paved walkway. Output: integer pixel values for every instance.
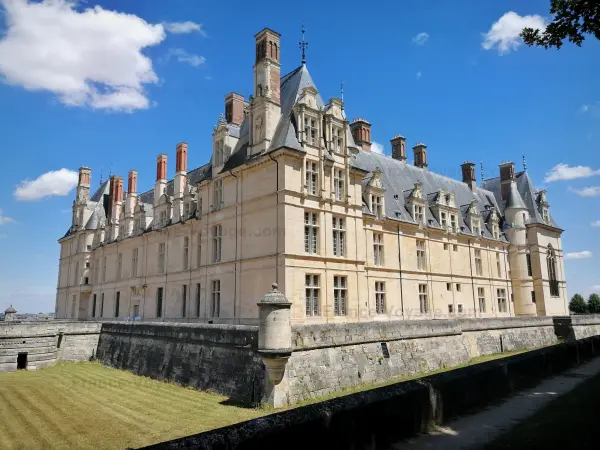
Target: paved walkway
(472, 432)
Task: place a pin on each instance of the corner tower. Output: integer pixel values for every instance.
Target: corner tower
(265, 106)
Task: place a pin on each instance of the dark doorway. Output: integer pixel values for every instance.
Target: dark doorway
(22, 361)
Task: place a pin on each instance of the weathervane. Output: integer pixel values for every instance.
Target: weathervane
(481, 165)
(303, 44)
(101, 167)
(524, 164)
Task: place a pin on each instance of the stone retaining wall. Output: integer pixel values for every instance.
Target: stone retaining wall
(221, 358)
(47, 343)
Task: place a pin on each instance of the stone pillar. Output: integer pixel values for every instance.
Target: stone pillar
(274, 345)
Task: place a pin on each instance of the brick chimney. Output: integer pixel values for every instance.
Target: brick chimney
(468, 174)
(115, 204)
(361, 132)
(161, 177)
(180, 180)
(420, 152)
(83, 184)
(130, 202)
(132, 183)
(399, 148)
(507, 174)
(234, 108)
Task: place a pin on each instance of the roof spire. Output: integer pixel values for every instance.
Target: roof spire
(481, 164)
(303, 44)
(524, 164)
(101, 167)
(342, 90)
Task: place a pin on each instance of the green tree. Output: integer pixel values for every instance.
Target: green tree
(593, 304)
(577, 305)
(573, 19)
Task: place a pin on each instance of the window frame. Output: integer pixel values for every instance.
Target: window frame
(340, 295)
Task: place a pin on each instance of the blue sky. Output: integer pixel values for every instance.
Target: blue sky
(113, 87)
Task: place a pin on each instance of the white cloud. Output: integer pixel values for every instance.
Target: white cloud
(184, 57)
(377, 148)
(591, 191)
(419, 74)
(53, 183)
(579, 255)
(565, 172)
(421, 38)
(3, 219)
(505, 33)
(91, 57)
(595, 223)
(184, 27)
(596, 287)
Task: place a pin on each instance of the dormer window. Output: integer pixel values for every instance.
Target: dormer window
(496, 231)
(219, 153)
(377, 205)
(419, 213)
(186, 210)
(310, 130)
(163, 218)
(545, 214)
(137, 225)
(337, 138)
(475, 226)
(453, 223)
(444, 220)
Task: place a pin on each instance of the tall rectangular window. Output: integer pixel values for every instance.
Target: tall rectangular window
(421, 255)
(186, 253)
(163, 218)
(159, 301)
(380, 297)
(478, 263)
(443, 220)
(219, 153)
(217, 236)
(310, 130)
(495, 231)
(134, 262)
(215, 308)
(476, 227)
(137, 225)
(199, 251)
(337, 139)
(418, 213)
(94, 306)
(338, 184)
(198, 290)
(102, 305)
(481, 298)
(218, 194)
(161, 258)
(117, 303)
(532, 296)
(339, 236)
(378, 249)
(340, 286)
(423, 301)
(501, 295)
(311, 231)
(498, 265)
(312, 295)
(312, 177)
(119, 266)
(528, 258)
(377, 205)
(453, 223)
(183, 300)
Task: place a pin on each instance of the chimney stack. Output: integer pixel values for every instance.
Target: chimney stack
(83, 184)
(115, 202)
(180, 180)
(361, 132)
(420, 152)
(399, 148)
(161, 177)
(507, 175)
(468, 174)
(132, 183)
(130, 201)
(234, 108)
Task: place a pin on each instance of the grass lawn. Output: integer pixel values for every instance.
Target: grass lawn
(569, 422)
(87, 405)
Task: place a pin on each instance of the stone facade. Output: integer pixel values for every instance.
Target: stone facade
(293, 194)
(46, 343)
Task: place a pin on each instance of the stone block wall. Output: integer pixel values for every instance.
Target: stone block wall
(47, 343)
(221, 358)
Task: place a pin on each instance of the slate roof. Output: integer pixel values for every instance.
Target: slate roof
(398, 180)
(527, 193)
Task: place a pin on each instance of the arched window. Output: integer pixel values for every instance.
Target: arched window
(551, 262)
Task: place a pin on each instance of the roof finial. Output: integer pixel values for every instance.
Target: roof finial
(481, 164)
(303, 44)
(101, 167)
(524, 164)
(342, 89)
